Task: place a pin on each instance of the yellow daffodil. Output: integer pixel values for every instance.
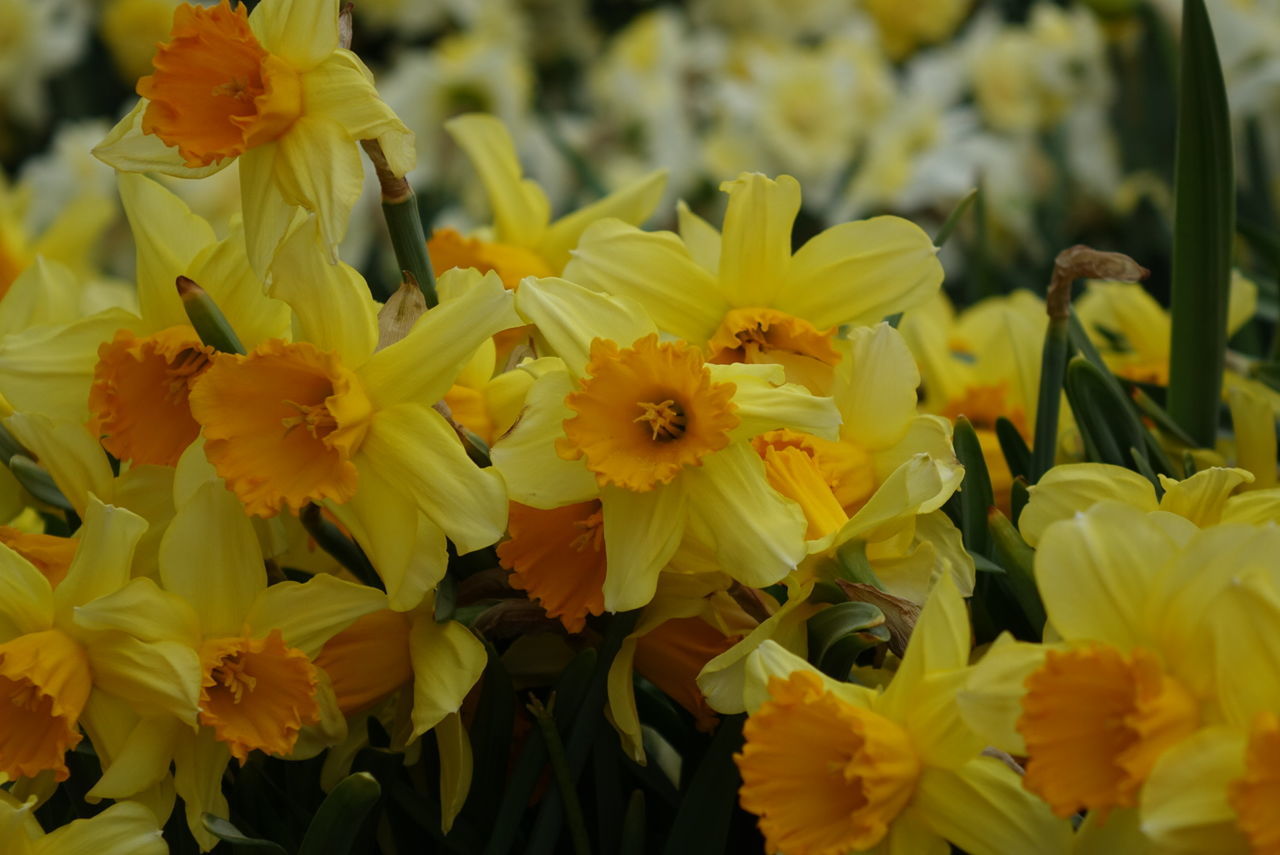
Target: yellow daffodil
(660, 438)
(833, 767)
(1132, 598)
(274, 91)
(1133, 331)
(326, 419)
(1214, 792)
(1208, 498)
(907, 26)
(484, 403)
(252, 648)
(983, 364)
(127, 828)
(743, 296)
(53, 663)
(129, 375)
(524, 241)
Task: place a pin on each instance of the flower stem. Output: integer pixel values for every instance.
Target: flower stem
(400, 208)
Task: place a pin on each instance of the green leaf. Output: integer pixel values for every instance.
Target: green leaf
(38, 482)
(975, 490)
(953, 219)
(337, 823)
(839, 633)
(702, 822)
(228, 833)
(1053, 367)
(1019, 560)
(633, 826)
(1204, 225)
(1013, 447)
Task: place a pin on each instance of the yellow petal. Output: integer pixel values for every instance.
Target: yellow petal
(1121, 834)
(655, 270)
(632, 204)
(47, 369)
(1242, 301)
(860, 272)
(128, 149)
(455, 768)
(641, 533)
(757, 535)
(318, 168)
(331, 303)
(1255, 428)
(991, 701)
(1233, 621)
(1202, 497)
(139, 761)
(309, 613)
(908, 491)
(302, 32)
(526, 456)
(104, 559)
(267, 214)
(1257, 507)
(929, 435)
(411, 444)
(223, 271)
(939, 642)
(875, 387)
(1184, 806)
(928, 711)
(569, 318)
(755, 252)
(763, 402)
(1096, 572)
(341, 89)
(145, 611)
(447, 662)
(423, 365)
(210, 557)
(1070, 488)
(199, 761)
(700, 238)
(45, 293)
(521, 211)
(127, 828)
(26, 600)
(911, 835)
(168, 237)
(159, 678)
(723, 679)
(983, 809)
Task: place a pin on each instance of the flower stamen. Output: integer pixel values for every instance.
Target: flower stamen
(666, 419)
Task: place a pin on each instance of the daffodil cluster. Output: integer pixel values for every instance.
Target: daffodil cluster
(646, 483)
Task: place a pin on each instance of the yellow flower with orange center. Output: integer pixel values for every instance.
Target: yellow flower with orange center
(1140, 604)
(274, 91)
(54, 662)
(326, 419)
(252, 647)
(659, 437)
(832, 767)
(744, 296)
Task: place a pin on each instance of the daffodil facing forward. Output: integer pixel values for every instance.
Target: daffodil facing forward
(325, 419)
(832, 768)
(1132, 597)
(273, 90)
(743, 296)
(660, 438)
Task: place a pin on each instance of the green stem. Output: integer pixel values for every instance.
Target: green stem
(408, 240)
(564, 782)
(1053, 368)
(343, 550)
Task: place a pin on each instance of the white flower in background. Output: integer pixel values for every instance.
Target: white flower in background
(38, 38)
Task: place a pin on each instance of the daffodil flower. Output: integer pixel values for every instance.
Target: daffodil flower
(128, 828)
(1214, 792)
(1131, 596)
(252, 647)
(52, 664)
(274, 91)
(833, 767)
(1210, 497)
(129, 375)
(524, 241)
(323, 418)
(659, 437)
(743, 296)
